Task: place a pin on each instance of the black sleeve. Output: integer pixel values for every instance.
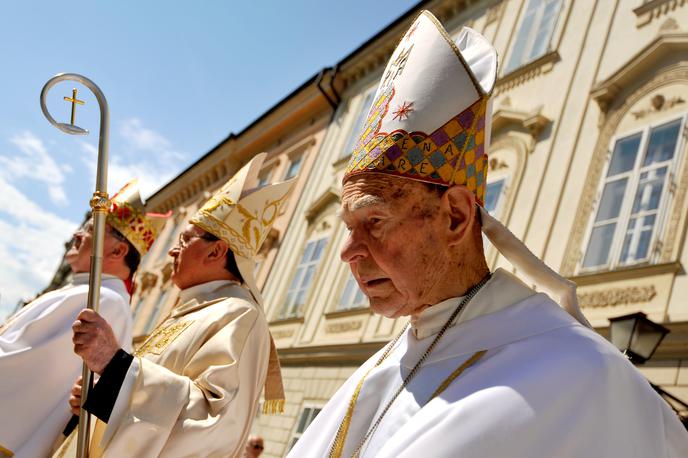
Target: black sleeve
(103, 396)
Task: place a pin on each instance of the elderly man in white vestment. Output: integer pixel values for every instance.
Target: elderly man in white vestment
(37, 363)
(487, 367)
(193, 388)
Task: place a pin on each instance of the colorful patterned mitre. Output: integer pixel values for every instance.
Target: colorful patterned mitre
(430, 118)
(243, 217)
(128, 215)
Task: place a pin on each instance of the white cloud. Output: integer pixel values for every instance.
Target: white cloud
(31, 246)
(35, 163)
(149, 157)
(144, 139)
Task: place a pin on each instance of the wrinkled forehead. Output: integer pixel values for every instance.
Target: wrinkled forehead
(375, 190)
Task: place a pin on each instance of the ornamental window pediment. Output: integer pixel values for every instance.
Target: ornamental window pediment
(635, 191)
(662, 51)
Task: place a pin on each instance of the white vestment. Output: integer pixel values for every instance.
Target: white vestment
(546, 387)
(38, 366)
(194, 387)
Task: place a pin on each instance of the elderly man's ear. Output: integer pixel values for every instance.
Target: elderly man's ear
(459, 204)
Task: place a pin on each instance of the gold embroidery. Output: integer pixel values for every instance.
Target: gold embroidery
(62, 451)
(448, 381)
(340, 438)
(161, 338)
(5, 452)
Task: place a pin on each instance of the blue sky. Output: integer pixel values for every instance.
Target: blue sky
(178, 76)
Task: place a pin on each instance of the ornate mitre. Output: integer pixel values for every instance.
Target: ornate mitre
(128, 215)
(430, 121)
(243, 217)
(430, 118)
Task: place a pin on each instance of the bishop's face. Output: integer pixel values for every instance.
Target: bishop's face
(189, 255)
(79, 254)
(396, 247)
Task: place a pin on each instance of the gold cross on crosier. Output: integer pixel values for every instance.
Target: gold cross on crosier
(74, 101)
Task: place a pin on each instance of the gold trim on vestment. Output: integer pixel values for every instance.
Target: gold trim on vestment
(5, 452)
(466, 364)
(340, 439)
(62, 451)
(161, 338)
(273, 406)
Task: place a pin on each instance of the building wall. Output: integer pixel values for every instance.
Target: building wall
(291, 135)
(556, 119)
(552, 134)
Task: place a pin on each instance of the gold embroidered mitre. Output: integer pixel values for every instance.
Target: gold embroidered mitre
(430, 117)
(243, 217)
(128, 215)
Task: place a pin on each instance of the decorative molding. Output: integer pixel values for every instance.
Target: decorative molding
(343, 326)
(166, 272)
(527, 72)
(655, 9)
(282, 333)
(326, 199)
(336, 355)
(677, 212)
(363, 310)
(628, 273)
(534, 122)
(658, 103)
(494, 164)
(638, 67)
(677, 73)
(148, 280)
(617, 296)
(670, 25)
(283, 321)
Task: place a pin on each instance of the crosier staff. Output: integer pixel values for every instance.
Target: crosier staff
(99, 205)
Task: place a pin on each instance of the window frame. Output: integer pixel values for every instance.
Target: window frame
(510, 67)
(625, 212)
(296, 434)
(348, 275)
(285, 311)
(296, 157)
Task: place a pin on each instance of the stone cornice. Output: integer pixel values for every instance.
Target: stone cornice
(329, 354)
(330, 196)
(363, 310)
(627, 273)
(654, 9)
(284, 321)
(520, 75)
(230, 154)
(638, 66)
(534, 122)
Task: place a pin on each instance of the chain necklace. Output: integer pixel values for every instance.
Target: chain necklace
(340, 438)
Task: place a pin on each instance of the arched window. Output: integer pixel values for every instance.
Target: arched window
(633, 195)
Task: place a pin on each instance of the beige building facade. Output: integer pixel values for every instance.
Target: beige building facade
(587, 165)
(291, 133)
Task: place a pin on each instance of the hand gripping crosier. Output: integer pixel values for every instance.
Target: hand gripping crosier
(99, 204)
